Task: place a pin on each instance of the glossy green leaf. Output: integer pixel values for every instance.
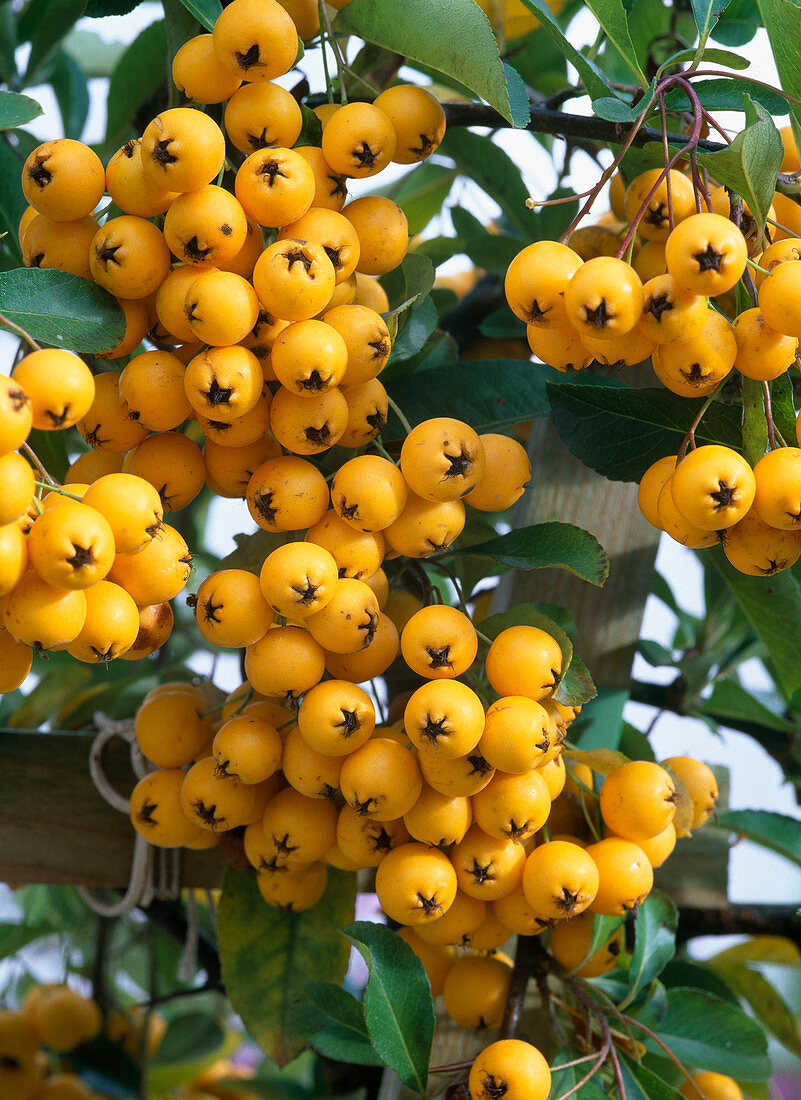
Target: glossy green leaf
(412, 338)
(603, 928)
(70, 86)
(655, 926)
(611, 14)
(591, 75)
(16, 110)
(455, 39)
(707, 13)
(488, 394)
(205, 11)
(333, 1022)
(620, 432)
(778, 832)
(682, 972)
(44, 24)
(710, 55)
(615, 110)
(708, 1033)
(641, 1083)
(766, 1002)
(268, 955)
(406, 288)
(755, 426)
(96, 9)
(564, 1079)
(739, 23)
(726, 94)
(398, 1007)
(773, 607)
(134, 80)
(731, 702)
(749, 165)
(543, 545)
(61, 309)
(483, 162)
(783, 25)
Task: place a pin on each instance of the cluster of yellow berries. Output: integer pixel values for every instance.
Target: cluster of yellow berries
(259, 350)
(88, 568)
(52, 1020)
(714, 496)
(581, 303)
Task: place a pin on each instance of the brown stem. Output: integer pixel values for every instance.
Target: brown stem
(769, 416)
(5, 323)
(517, 988)
(32, 455)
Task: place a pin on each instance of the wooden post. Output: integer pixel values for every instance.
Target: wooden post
(56, 828)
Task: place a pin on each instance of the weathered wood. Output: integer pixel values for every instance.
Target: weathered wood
(609, 618)
(54, 825)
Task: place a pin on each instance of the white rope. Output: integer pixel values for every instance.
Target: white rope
(138, 885)
(114, 798)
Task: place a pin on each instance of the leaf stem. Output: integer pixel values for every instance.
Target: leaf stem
(398, 412)
(655, 1038)
(332, 40)
(32, 455)
(689, 439)
(6, 323)
(329, 88)
(53, 487)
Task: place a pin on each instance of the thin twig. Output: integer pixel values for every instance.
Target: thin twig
(32, 455)
(5, 323)
(399, 413)
(329, 30)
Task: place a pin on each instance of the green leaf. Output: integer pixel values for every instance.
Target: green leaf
(682, 972)
(134, 80)
(767, 1004)
(615, 110)
(603, 928)
(455, 39)
(96, 9)
(755, 425)
(783, 25)
(420, 194)
(519, 102)
(730, 702)
(407, 286)
(714, 56)
(620, 432)
(778, 832)
(105, 1068)
(412, 338)
(16, 110)
(268, 955)
(739, 23)
(591, 75)
(397, 1002)
(61, 309)
(708, 1033)
(602, 761)
(776, 950)
(70, 86)
(575, 686)
(655, 926)
(601, 726)
(487, 394)
(567, 1078)
(773, 607)
(781, 394)
(189, 1036)
(494, 171)
(333, 1022)
(544, 545)
(612, 16)
(205, 11)
(726, 94)
(44, 24)
(641, 1083)
(749, 165)
(707, 13)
